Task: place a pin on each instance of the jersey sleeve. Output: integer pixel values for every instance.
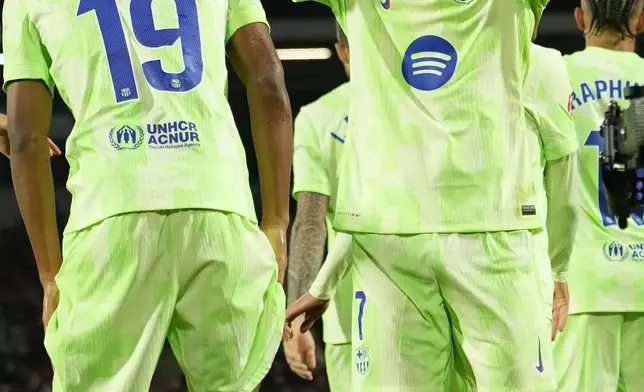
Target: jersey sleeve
(25, 55)
(242, 13)
(339, 9)
(310, 167)
(554, 120)
(538, 6)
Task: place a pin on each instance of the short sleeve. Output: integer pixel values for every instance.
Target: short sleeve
(25, 55)
(309, 162)
(242, 13)
(553, 113)
(339, 9)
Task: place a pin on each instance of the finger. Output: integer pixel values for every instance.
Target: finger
(305, 374)
(564, 320)
(299, 368)
(308, 322)
(553, 331)
(287, 334)
(309, 358)
(53, 148)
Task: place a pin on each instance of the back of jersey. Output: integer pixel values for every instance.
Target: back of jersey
(437, 137)
(608, 263)
(146, 83)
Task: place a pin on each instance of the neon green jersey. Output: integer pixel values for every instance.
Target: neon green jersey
(607, 268)
(320, 133)
(146, 83)
(548, 96)
(438, 141)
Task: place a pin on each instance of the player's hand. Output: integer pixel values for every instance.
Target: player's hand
(307, 306)
(50, 301)
(277, 238)
(560, 305)
(300, 351)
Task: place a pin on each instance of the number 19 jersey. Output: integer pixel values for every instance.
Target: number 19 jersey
(607, 266)
(146, 83)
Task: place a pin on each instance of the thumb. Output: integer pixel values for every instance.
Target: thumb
(309, 358)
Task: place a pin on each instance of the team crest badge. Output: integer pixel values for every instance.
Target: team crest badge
(126, 138)
(363, 363)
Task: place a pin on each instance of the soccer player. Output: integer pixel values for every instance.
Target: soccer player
(601, 349)
(162, 240)
(320, 133)
(437, 189)
(553, 145)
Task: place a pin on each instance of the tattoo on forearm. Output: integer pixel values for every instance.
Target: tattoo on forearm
(307, 243)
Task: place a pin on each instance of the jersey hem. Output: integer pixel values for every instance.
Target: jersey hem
(70, 229)
(454, 228)
(612, 310)
(310, 190)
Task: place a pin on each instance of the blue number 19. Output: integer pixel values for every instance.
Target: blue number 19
(118, 56)
(595, 139)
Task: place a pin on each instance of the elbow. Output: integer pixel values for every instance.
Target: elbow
(23, 142)
(269, 82)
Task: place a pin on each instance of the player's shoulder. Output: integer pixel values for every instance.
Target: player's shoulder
(333, 104)
(545, 57)
(547, 66)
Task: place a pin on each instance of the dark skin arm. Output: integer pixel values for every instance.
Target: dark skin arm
(255, 60)
(29, 106)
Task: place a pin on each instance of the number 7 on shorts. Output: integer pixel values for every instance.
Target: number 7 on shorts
(363, 300)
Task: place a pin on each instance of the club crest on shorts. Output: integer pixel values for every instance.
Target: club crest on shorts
(363, 363)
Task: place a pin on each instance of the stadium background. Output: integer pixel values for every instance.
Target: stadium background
(23, 363)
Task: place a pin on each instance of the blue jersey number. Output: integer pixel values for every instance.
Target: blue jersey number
(595, 139)
(363, 300)
(118, 56)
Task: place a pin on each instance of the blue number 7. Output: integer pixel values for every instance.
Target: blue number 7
(595, 139)
(363, 299)
(118, 56)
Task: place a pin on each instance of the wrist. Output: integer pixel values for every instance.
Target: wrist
(275, 224)
(47, 281)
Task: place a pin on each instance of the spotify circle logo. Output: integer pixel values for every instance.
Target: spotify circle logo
(429, 63)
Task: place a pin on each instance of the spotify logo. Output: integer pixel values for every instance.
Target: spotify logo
(429, 63)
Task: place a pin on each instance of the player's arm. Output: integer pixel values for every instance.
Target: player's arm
(562, 184)
(311, 188)
(308, 236)
(255, 60)
(559, 141)
(29, 88)
(29, 106)
(335, 267)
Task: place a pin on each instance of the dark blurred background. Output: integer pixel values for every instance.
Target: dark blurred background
(23, 362)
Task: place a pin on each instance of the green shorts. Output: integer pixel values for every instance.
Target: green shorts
(601, 352)
(206, 280)
(450, 312)
(338, 366)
